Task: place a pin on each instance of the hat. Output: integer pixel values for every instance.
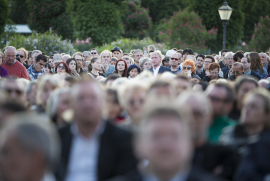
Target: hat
(169, 53)
(116, 49)
(57, 58)
(132, 67)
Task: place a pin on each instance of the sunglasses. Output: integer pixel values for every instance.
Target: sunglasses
(61, 67)
(93, 52)
(187, 68)
(174, 58)
(19, 55)
(17, 91)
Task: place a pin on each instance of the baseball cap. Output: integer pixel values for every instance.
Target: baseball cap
(116, 49)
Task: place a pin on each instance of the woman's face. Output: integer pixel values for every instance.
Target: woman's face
(187, 69)
(135, 102)
(47, 70)
(97, 64)
(243, 90)
(72, 65)
(147, 65)
(61, 68)
(253, 112)
(63, 103)
(133, 73)
(121, 66)
(214, 74)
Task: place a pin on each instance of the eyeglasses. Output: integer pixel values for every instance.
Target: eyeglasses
(214, 73)
(61, 67)
(19, 55)
(207, 62)
(174, 58)
(17, 91)
(93, 52)
(187, 68)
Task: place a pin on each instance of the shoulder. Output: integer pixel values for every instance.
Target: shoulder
(130, 176)
(196, 76)
(197, 174)
(66, 130)
(115, 131)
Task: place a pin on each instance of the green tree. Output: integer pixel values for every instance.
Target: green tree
(207, 10)
(253, 11)
(18, 11)
(4, 11)
(98, 19)
(48, 14)
(184, 29)
(261, 36)
(136, 20)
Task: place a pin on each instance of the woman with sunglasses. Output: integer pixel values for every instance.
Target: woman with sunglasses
(214, 69)
(3, 71)
(61, 67)
(189, 69)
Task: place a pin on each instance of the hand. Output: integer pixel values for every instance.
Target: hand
(74, 71)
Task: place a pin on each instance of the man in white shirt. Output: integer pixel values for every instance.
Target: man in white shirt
(157, 68)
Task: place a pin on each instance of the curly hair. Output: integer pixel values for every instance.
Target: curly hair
(190, 63)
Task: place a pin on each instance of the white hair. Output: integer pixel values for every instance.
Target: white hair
(10, 47)
(34, 52)
(66, 55)
(227, 54)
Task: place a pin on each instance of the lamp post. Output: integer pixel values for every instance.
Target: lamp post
(225, 12)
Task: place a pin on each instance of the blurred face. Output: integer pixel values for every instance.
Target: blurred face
(112, 62)
(31, 97)
(14, 91)
(214, 73)
(60, 68)
(185, 55)
(78, 59)
(64, 59)
(47, 70)
(166, 63)
(97, 64)
(237, 71)
(133, 73)
(121, 66)
(10, 56)
(117, 54)
(156, 60)
(113, 109)
(128, 62)
(163, 91)
(181, 85)
(105, 58)
(165, 144)
(220, 103)
(72, 65)
(245, 63)
(199, 62)
(94, 53)
(51, 62)
(264, 58)
(138, 56)
(87, 103)
(39, 65)
(1, 59)
(63, 104)
(229, 60)
(147, 65)
(21, 55)
(207, 63)
(174, 59)
(243, 90)
(16, 163)
(253, 112)
(46, 92)
(180, 59)
(135, 102)
(86, 57)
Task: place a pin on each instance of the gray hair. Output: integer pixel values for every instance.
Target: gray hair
(227, 54)
(238, 63)
(87, 52)
(34, 132)
(136, 51)
(143, 60)
(10, 47)
(66, 55)
(34, 52)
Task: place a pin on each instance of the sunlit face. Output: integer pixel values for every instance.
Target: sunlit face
(121, 66)
(60, 68)
(133, 73)
(156, 60)
(72, 65)
(117, 54)
(147, 65)
(214, 73)
(105, 58)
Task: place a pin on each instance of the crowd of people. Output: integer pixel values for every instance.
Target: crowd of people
(137, 116)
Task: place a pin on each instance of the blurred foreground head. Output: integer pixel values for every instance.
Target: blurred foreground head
(29, 148)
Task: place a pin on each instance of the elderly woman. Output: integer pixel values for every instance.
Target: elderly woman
(189, 69)
(58, 103)
(145, 63)
(251, 137)
(214, 69)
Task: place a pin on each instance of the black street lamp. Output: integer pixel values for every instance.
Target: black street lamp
(225, 12)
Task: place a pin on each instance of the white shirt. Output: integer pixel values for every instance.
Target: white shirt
(84, 155)
(156, 71)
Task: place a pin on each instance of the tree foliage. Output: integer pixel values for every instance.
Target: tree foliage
(4, 11)
(98, 19)
(207, 10)
(136, 20)
(253, 11)
(184, 29)
(261, 36)
(18, 11)
(48, 14)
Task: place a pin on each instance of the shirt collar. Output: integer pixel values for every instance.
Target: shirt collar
(11, 64)
(156, 68)
(98, 131)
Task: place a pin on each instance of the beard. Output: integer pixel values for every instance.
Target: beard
(199, 66)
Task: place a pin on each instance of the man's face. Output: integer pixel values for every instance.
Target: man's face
(229, 60)
(174, 59)
(105, 58)
(264, 58)
(51, 62)
(138, 56)
(86, 57)
(207, 63)
(220, 102)
(64, 59)
(78, 59)
(156, 60)
(87, 103)
(165, 144)
(21, 55)
(39, 65)
(14, 91)
(10, 56)
(117, 54)
(245, 63)
(16, 163)
(199, 62)
(94, 53)
(237, 70)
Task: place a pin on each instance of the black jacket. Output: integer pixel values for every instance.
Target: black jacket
(201, 74)
(195, 174)
(115, 155)
(208, 79)
(161, 70)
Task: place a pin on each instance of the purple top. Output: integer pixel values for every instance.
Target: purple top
(3, 72)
